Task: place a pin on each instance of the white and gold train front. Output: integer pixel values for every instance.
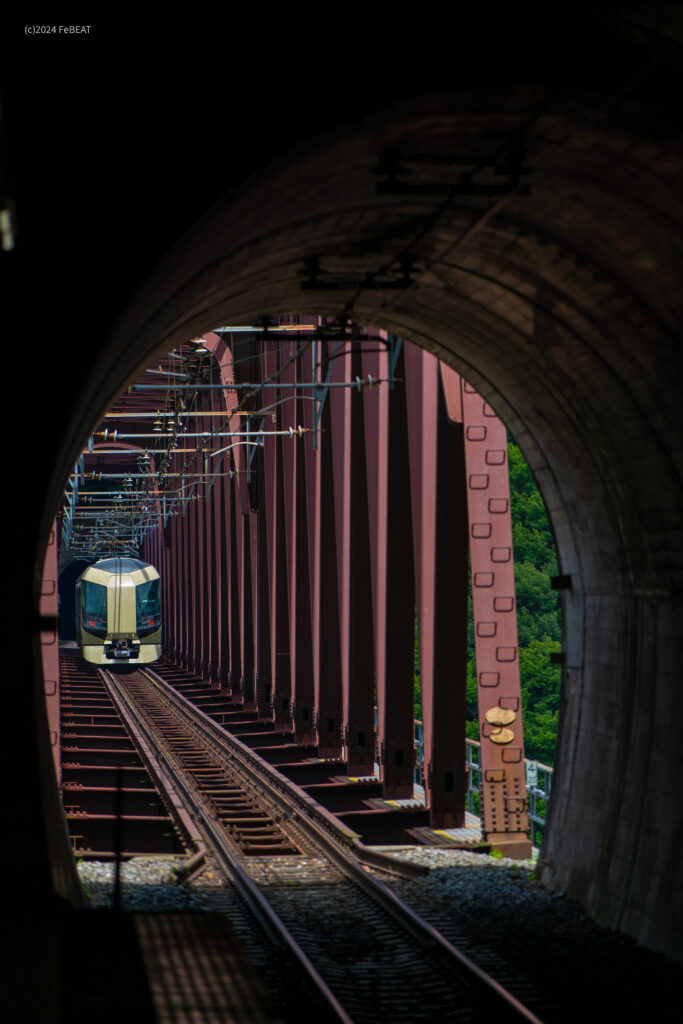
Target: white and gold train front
(118, 612)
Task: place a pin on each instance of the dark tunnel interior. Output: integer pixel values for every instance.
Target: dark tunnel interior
(504, 189)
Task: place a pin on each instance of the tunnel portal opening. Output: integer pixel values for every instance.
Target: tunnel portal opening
(558, 303)
(211, 449)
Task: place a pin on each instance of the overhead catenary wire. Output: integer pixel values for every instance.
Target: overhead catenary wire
(178, 407)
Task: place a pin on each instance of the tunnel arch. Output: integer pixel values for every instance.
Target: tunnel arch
(560, 305)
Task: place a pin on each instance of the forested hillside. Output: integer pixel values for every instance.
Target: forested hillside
(538, 619)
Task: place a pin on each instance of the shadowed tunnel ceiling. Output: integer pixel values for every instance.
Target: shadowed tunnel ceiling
(530, 236)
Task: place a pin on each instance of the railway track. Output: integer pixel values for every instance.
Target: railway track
(363, 954)
(110, 799)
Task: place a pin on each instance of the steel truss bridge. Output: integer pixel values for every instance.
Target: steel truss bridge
(304, 487)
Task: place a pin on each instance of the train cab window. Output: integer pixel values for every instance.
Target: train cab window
(147, 607)
(94, 608)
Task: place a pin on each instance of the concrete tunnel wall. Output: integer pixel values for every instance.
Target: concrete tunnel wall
(562, 308)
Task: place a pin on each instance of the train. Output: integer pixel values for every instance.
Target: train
(118, 612)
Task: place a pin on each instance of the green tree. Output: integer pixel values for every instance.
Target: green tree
(538, 616)
(538, 613)
(538, 619)
(540, 698)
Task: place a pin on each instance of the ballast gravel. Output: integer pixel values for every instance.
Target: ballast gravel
(495, 909)
(147, 885)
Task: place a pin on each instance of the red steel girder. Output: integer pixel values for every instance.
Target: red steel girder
(263, 673)
(246, 683)
(391, 546)
(205, 573)
(305, 579)
(234, 652)
(324, 597)
(439, 510)
(505, 808)
(347, 435)
(213, 551)
(277, 562)
(299, 590)
(186, 555)
(196, 571)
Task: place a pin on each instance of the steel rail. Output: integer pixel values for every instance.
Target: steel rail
(153, 760)
(288, 794)
(268, 919)
(346, 854)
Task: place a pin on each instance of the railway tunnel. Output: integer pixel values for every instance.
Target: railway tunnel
(528, 237)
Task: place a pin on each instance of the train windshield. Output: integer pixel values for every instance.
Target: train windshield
(94, 606)
(147, 607)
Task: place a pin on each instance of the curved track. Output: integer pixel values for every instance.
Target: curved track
(364, 954)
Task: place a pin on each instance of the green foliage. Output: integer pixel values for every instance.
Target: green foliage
(538, 613)
(538, 616)
(538, 619)
(471, 694)
(540, 679)
(417, 699)
(472, 729)
(532, 586)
